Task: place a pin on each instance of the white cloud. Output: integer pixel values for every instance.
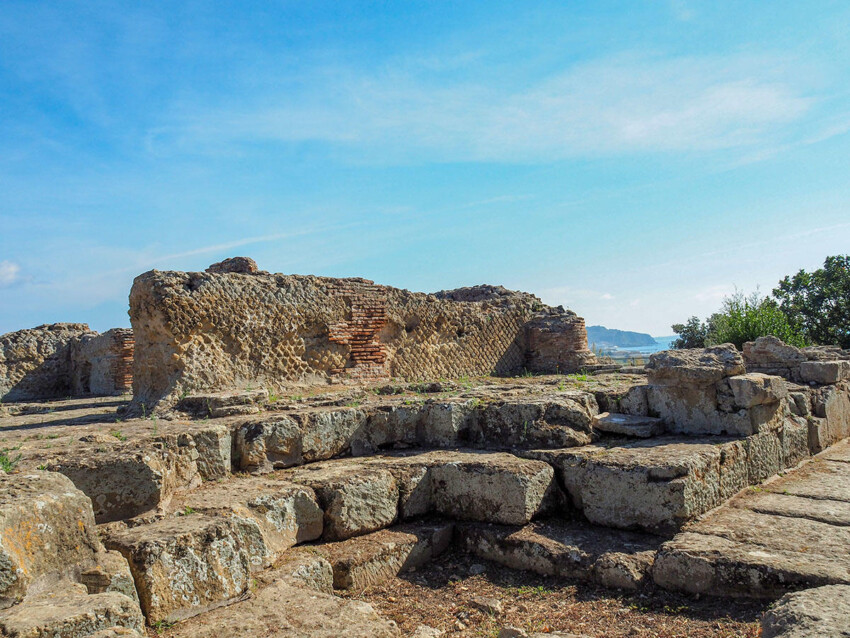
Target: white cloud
(607, 296)
(628, 103)
(10, 273)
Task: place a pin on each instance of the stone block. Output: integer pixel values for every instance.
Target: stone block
(642, 427)
(694, 367)
(824, 372)
(491, 487)
(757, 389)
(268, 444)
(328, 433)
(129, 480)
(71, 613)
(214, 446)
(302, 567)
(820, 611)
(48, 527)
(184, 565)
(521, 424)
(356, 499)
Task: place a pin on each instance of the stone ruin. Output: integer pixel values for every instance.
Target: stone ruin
(65, 359)
(234, 326)
(233, 510)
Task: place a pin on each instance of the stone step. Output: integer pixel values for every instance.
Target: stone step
(377, 557)
(821, 611)
(768, 541)
(363, 495)
(280, 609)
(642, 427)
(660, 484)
(184, 565)
(71, 611)
(281, 440)
(270, 515)
(572, 549)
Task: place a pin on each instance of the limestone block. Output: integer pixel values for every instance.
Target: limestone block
(757, 389)
(824, 372)
(268, 444)
(303, 567)
(356, 499)
(328, 433)
(695, 410)
(128, 480)
(623, 570)
(656, 485)
(109, 571)
(445, 424)
(491, 487)
(183, 565)
(794, 436)
(48, 526)
(516, 424)
(374, 558)
(71, 613)
(386, 426)
(694, 367)
(214, 447)
(821, 611)
(765, 456)
(270, 515)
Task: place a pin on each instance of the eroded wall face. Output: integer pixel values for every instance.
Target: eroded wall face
(102, 364)
(216, 331)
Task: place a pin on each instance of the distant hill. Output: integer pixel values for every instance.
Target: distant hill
(602, 336)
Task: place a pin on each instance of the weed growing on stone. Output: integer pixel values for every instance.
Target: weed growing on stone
(7, 461)
(119, 435)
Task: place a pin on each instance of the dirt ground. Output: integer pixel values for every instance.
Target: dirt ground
(441, 595)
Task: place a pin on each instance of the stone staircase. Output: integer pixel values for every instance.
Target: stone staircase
(245, 525)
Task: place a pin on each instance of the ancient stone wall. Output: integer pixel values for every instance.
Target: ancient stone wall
(64, 359)
(102, 364)
(770, 355)
(236, 327)
(36, 363)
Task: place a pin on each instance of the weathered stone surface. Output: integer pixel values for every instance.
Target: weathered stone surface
(102, 364)
(281, 610)
(764, 544)
(655, 485)
(694, 367)
(491, 487)
(109, 572)
(813, 613)
(374, 558)
(642, 427)
(71, 613)
(551, 423)
(220, 404)
(270, 515)
(771, 355)
(214, 446)
(302, 567)
(757, 389)
(573, 549)
(268, 444)
(356, 499)
(832, 403)
(243, 265)
(36, 363)
(116, 632)
(128, 480)
(328, 433)
(214, 331)
(47, 527)
(824, 372)
(184, 565)
(557, 343)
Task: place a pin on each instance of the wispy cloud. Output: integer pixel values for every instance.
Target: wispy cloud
(10, 273)
(623, 104)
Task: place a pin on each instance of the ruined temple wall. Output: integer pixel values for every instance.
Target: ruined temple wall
(36, 363)
(102, 364)
(214, 331)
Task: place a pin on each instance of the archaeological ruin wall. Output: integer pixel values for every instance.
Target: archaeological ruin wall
(234, 327)
(65, 359)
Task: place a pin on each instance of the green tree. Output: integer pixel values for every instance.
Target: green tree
(745, 318)
(817, 304)
(692, 334)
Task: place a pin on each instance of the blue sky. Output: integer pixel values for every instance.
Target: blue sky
(634, 161)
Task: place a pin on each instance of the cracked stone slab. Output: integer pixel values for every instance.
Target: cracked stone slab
(572, 549)
(789, 505)
(642, 427)
(820, 479)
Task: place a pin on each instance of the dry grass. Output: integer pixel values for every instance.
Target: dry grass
(439, 596)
